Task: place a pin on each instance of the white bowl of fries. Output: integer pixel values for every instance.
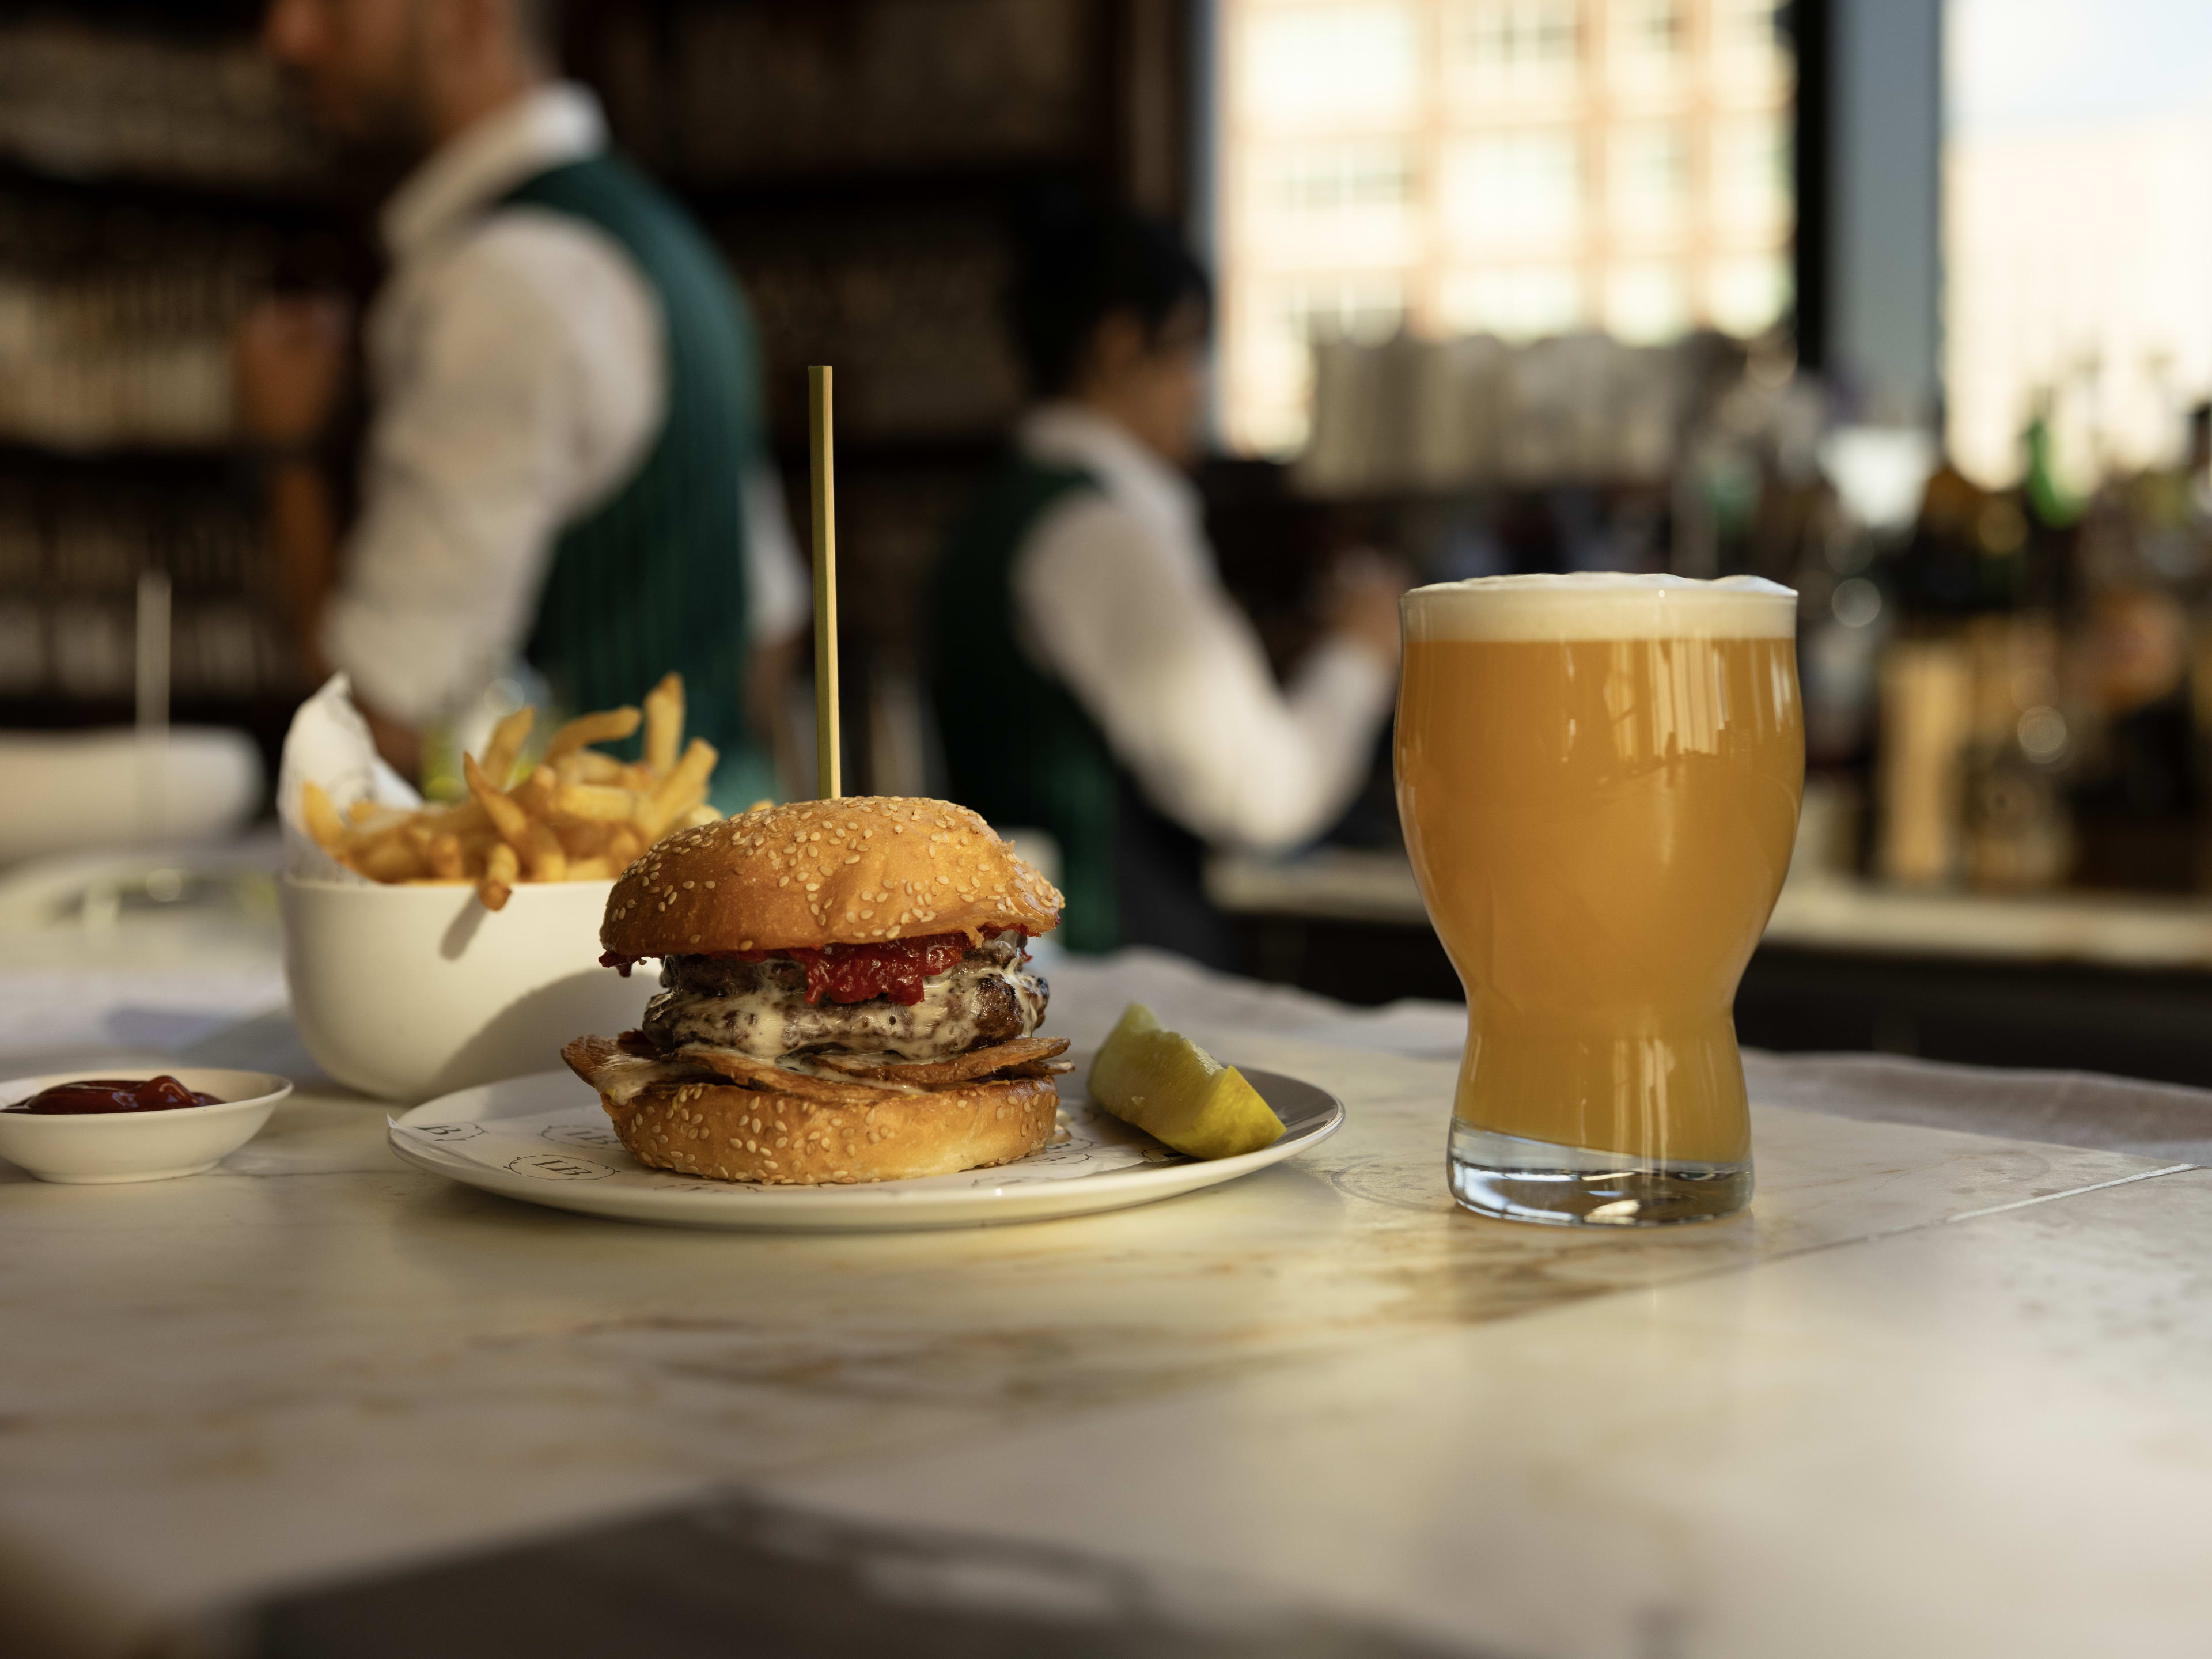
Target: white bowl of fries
(409, 991)
(470, 951)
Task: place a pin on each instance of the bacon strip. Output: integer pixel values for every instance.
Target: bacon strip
(621, 1075)
(1023, 1056)
(622, 1068)
(737, 1067)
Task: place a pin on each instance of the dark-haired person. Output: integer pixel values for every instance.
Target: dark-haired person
(565, 457)
(1092, 676)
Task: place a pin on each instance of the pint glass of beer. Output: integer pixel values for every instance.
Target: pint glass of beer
(1599, 778)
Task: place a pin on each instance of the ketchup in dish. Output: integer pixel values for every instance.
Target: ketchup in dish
(156, 1094)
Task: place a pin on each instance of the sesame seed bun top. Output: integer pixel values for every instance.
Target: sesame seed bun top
(861, 870)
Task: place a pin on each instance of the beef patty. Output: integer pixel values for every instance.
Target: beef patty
(761, 1007)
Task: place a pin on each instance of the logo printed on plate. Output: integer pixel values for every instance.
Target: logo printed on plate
(581, 1134)
(677, 1183)
(552, 1166)
(447, 1131)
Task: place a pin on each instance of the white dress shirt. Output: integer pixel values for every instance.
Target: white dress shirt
(1118, 598)
(517, 378)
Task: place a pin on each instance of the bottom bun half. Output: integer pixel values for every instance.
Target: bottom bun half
(733, 1134)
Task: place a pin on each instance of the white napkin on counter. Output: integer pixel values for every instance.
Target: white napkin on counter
(329, 744)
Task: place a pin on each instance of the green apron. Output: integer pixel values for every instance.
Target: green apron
(653, 577)
(1020, 749)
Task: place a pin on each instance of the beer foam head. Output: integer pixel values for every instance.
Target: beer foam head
(1600, 606)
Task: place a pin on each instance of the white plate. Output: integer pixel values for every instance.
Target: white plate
(545, 1139)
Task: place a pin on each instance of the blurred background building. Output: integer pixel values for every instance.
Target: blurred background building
(1513, 167)
(1899, 301)
(2073, 269)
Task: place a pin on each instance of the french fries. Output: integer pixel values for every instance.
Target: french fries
(580, 815)
(608, 726)
(501, 871)
(506, 745)
(323, 823)
(664, 723)
(596, 803)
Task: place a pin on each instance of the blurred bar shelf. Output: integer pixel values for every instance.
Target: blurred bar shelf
(136, 456)
(2107, 930)
(989, 183)
(1817, 913)
(2080, 981)
(1338, 883)
(307, 199)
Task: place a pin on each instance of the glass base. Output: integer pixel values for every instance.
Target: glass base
(1512, 1179)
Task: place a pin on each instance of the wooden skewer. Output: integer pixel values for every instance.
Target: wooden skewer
(827, 782)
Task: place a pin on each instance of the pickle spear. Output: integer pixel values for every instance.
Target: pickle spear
(1176, 1092)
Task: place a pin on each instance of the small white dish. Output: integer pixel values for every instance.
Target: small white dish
(102, 1148)
(545, 1139)
(403, 992)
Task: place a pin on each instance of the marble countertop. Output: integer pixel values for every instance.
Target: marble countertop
(1938, 1392)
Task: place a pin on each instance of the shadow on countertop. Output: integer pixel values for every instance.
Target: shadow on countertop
(737, 1576)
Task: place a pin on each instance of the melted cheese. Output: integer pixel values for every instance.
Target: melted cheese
(769, 1023)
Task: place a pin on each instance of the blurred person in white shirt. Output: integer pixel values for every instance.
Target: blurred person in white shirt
(566, 464)
(1093, 678)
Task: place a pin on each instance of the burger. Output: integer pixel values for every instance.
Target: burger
(845, 997)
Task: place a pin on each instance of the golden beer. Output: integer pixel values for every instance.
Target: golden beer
(1599, 778)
